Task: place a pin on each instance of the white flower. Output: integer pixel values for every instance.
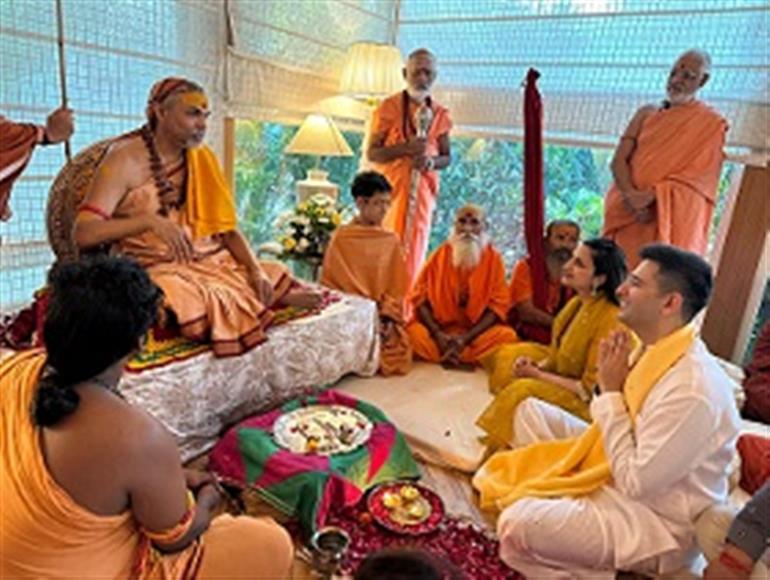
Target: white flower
(323, 220)
(303, 244)
(301, 220)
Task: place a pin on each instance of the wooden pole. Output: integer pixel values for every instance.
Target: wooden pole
(62, 68)
(735, 297)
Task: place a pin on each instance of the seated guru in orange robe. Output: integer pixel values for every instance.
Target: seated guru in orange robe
(364, 259)
(460, 298)
(667, 167)
(159, 197)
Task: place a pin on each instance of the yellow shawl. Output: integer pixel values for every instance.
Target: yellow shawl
(575, 466)
(209, 207)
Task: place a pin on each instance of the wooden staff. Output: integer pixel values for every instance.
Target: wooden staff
(62, 71)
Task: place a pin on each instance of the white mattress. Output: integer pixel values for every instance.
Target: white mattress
(196, 399)
(435, 409)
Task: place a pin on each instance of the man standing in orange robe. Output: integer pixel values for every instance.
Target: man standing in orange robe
(397, 148)
(460, 298)
(667, 167)
(18, 140)
(364, 259)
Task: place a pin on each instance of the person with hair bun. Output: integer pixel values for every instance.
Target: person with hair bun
(91, 485)
(563, 373)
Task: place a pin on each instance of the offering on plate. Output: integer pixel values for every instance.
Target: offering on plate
(322, 429)
(406, 508)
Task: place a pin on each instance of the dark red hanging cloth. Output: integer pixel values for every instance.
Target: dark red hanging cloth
(534, 207)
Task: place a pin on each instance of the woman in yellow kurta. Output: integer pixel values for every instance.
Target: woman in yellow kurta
(91, 486)
(563, 373)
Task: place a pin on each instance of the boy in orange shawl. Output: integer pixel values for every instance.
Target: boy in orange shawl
(460, 298)
(18, 140)
(364, 259)
(159, 197)
(667, 167)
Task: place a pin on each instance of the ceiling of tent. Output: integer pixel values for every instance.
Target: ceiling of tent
(599, 59)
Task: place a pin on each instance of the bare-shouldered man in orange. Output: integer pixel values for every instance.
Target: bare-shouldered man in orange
(460, 298)
(397, 149)
(159, 196)
(667, 166)
(92, 486)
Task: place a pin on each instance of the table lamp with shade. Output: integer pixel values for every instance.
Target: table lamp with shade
(371, 72)
(319, 136)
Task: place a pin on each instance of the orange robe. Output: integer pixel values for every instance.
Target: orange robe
(367, 260)
(389, 120)
(459, 298)
(17, 141)
(679, 156)
(44, 533)
(210, 296)
(522, 289)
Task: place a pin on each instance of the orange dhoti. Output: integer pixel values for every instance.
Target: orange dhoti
(485, 344)
(458, 299)
(210, 295)
(679, 157)
(389, 121)
(367, 260)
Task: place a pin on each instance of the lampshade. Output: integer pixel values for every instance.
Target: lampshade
(318, 135)
(372, 71)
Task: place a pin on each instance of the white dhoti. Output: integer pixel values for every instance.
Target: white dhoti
(585, 537)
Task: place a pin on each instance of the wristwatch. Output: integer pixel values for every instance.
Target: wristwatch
(431, 164)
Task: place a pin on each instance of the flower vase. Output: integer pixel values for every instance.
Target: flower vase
(306, 268)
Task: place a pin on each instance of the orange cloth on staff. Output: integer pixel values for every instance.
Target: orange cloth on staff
(458, 299)
(679, 156)
(17, 141)
(44, 533)
(210, 295)
(367, 260)
(389, 120)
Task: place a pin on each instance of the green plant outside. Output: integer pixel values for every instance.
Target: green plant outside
(488, 172)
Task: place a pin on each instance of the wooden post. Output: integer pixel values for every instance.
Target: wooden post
(740, 270)
(229, 160)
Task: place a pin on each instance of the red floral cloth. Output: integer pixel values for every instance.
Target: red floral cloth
(755, 461)
(757, 382)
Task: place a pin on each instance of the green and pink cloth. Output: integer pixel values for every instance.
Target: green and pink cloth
(308, 486)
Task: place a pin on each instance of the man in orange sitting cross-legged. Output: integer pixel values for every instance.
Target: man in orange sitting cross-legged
(460, 299)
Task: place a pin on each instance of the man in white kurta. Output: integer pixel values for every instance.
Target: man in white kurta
(667, 465)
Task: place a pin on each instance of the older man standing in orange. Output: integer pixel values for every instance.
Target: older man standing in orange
(460, 298)
(410, 152)
(667, 167)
